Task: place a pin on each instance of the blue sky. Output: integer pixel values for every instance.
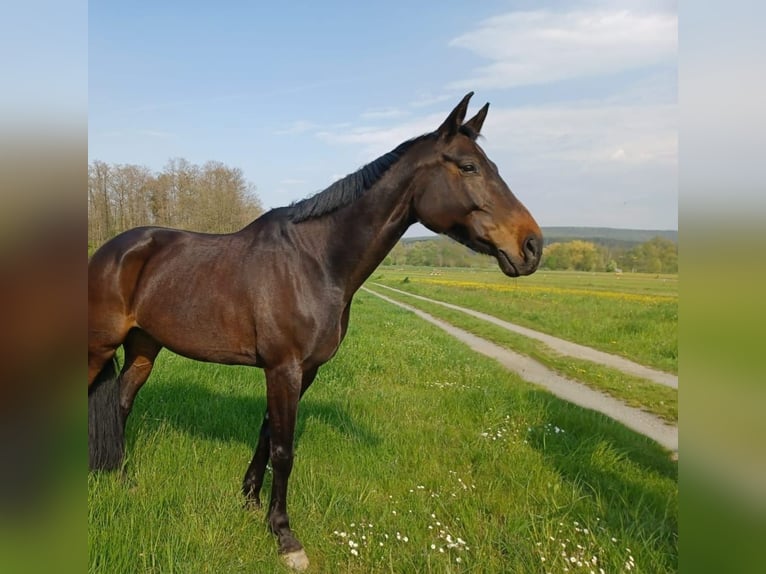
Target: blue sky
(583, 119)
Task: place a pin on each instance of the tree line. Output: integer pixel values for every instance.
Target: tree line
(658, 255)
(212, 198)
(435, 252)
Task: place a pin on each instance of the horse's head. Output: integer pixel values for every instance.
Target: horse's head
(463, 196)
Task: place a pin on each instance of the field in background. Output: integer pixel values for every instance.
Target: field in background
(413, 455)
(635, 391)
(630, 314)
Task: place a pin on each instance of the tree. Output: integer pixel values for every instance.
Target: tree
(210, 198)
(658, 255)
(99, 208)
(574, 255)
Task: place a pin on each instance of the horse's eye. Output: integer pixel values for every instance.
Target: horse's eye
(469, 168)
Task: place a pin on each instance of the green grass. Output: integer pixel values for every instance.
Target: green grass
(634, 391)
(632, 315)
(405, 430)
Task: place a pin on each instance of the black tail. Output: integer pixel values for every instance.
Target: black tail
(106, 434)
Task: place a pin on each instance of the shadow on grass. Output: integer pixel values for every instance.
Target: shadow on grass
(598, 454)
(228, 417)
(586, 427)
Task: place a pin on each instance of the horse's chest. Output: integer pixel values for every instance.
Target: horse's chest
(326, 341)
(312, 337)
(330, 331)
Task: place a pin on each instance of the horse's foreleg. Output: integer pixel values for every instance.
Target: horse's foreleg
(251, 485)
(283, 390)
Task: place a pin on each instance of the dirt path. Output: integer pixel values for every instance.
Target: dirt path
(561, 346)
(567, 389)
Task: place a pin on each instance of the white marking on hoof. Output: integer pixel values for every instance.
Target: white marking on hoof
(296, 560)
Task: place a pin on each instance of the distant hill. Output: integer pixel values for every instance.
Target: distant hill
(606, 236)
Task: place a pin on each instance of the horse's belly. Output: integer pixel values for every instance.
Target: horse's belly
(213, 335)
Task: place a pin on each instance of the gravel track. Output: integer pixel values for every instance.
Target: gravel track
(562, 346)
(570, 390)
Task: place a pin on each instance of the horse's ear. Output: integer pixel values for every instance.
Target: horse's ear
(454, 120)
(475, 123)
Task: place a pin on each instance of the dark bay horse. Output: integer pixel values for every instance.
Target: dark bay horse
(277, 294)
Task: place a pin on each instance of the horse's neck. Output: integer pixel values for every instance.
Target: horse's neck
(369, 228)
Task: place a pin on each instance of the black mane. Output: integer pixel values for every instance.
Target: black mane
(349, 188)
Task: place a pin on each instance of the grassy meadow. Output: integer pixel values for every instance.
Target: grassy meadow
(632, 314)
(414, 454)
(634, 391)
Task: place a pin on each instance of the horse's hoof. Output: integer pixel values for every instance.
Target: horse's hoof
(296, 560)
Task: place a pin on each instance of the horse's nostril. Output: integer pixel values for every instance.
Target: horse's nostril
(532, 247)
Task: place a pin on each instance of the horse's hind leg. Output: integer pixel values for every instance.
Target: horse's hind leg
(110, 397)
(140, 352)
(101, 351)
(105, 427)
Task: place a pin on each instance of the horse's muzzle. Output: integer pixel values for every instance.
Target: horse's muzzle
(526, 264)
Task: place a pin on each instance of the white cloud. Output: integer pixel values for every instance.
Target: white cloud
(383, 114)
(619, 154)
(540, 47)
(588, 134)
(427, 99)
(372, 141)
(297, 127)
(597, 164)
(156, 134)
